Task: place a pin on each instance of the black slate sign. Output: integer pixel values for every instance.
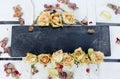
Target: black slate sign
(68, 38)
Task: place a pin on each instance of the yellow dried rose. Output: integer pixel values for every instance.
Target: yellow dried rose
(31, 58)
(56, 20)
(44, 19)
(57, 56)
(68, 18)
(78, 54)
(96, 56)
(44, 59)
(85, 60)
(68, 60)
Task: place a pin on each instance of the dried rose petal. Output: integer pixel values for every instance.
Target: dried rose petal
(87, 70)
(62, 75)
(16, 72)
(49, 77)
(6, 66)
(7, 50)
(117, 40)
(90, 22)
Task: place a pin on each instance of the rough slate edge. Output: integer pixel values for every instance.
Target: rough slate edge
(99, 26)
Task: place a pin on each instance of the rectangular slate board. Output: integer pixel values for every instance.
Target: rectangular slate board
(68, 38)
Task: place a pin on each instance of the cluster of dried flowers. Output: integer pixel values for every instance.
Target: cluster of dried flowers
(56, 16)
(18, 13)
(10, 69)
(67, 59)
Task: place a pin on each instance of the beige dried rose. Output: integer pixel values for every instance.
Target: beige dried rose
(97, 57)
(57, 56)
(85, 60)
(31, 58)
(78, 54)
(68, 60)
(56, 20)
(68, 18)
(44, 59)
(44, 19)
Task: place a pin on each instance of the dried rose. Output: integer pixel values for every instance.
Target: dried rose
(44, 19)
(85, 60)
(56, 20)
(31, 58)
(78, 54)
(57, 56)
(17, 11)
(68, 18)
(44, 59)
(95, 56)
(68, 60)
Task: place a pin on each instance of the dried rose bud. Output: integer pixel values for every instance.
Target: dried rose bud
(112, 6)
(45, 6)
(72, 5)
(117, 11)
(22, 22)
(57, 5)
